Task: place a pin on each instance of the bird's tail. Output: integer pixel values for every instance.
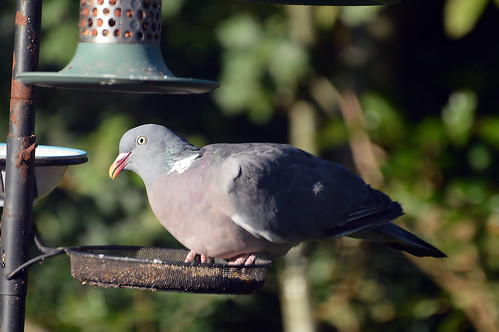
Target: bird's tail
(398, 238)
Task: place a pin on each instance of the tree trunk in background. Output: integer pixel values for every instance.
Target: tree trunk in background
(293, 277)
(295, 292)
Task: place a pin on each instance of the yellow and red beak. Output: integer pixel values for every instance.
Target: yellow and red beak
(118, 164)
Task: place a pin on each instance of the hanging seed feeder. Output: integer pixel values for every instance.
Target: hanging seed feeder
(51, 163)
(119, 50)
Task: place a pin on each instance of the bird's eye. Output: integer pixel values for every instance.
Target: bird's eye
(141, 140)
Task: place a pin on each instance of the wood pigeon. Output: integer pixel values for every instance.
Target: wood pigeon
(239, 201)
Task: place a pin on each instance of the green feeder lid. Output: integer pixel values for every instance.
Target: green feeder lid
(131, 68)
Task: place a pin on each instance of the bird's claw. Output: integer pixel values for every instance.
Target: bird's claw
(245, 259)
(192, 257)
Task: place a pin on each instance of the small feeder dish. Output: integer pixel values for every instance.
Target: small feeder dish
(51, 163)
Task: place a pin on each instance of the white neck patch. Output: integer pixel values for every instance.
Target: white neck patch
(182, 165)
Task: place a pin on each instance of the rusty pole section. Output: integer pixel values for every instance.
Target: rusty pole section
(21, 143)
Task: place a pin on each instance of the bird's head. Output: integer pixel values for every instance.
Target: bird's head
(146, 150)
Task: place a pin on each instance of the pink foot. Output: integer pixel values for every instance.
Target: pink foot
(245, 259)
(193, 257)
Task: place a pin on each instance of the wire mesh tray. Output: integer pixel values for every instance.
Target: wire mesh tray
(156, 269)
(162, 269)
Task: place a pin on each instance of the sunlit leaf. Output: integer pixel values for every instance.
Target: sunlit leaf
(488, 130)
(461, 16)
(288, 63)
(458, 115)
(479, 157)
(355, 16)
(382, 120)
(239, 32)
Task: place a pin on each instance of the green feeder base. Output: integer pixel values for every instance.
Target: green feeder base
(133, 68)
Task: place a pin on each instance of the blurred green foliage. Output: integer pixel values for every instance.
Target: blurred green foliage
(425, 73)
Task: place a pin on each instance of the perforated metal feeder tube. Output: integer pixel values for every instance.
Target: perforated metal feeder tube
(119, 50)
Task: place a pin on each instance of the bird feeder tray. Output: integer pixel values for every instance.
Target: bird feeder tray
(155, 269)
(162, 269)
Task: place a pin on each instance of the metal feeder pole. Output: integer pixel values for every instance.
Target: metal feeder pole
(21, 144)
